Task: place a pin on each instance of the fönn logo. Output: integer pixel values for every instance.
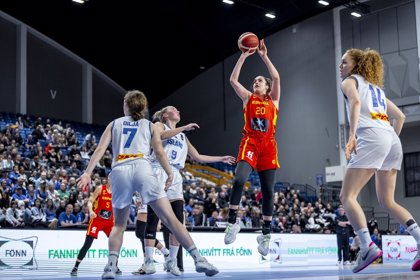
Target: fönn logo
(18, 253)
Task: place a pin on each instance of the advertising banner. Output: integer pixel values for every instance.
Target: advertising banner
(398, 248)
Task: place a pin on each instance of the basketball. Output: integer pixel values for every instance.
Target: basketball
(248, 41)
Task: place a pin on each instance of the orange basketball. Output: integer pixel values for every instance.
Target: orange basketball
(248, 41)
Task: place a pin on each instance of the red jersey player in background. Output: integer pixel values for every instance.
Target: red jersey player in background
(258, 148)
(101, 218)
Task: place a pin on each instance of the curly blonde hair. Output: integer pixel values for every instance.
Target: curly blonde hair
(369, 64)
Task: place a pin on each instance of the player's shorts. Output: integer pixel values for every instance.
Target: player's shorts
(260, 153)
(98, 224)
(131, 177)
(377, 148)
(175, 191)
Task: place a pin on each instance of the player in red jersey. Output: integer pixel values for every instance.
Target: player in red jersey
(101, 218)
(258, 148)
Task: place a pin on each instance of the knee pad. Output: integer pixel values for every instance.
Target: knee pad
(140, 227)
(150, 232)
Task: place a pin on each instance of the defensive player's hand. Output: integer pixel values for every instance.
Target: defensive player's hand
(191, 126)
(228, 159)
(84, 180)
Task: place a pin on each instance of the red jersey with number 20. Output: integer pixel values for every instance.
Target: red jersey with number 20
(260, 117)
(258, 146)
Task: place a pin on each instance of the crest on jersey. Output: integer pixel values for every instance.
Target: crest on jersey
(259, 124)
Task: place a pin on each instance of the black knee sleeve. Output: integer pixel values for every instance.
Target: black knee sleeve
(140, 228)
(267, 178)
(243, 169)
(178, 208)
(152, 222)
(85, 247)
(410, 222)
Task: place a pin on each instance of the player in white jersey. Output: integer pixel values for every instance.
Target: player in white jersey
(176, 146)
(373, 148)
(132, 138)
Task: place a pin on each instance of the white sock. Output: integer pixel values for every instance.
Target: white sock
(194, 253)
(113, 258)
(149, 252)
(364, 236)
(414, 230)
(164, 251)
(173, 251)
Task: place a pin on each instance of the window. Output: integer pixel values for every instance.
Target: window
(412, 174)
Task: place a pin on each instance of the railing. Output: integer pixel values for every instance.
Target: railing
(330, 194)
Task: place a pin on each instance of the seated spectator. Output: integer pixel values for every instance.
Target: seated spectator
(50, 211)
(19, 196)
(83, 216)
(37, 213)
(197, 216)
(52, 193)
(67, 218)
(376, 237)
(12, 215)
(61, 207)
(296, 229)
(244, 221)
(31, 195)
(211, 221)
(62, 192)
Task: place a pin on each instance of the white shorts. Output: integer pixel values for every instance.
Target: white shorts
(377, 148)
(142, 209)
(131, 177)
(175, 191)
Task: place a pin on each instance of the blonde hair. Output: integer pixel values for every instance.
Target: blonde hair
(137, 104)
(158, 115)
(369, 64)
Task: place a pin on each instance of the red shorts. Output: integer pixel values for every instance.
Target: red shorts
(98, 224)
(260, 153)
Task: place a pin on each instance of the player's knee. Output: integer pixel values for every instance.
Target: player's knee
(150, 232)
(140, 227)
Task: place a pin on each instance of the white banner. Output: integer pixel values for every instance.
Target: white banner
(44, 248)
(33, 249)
(398, 248)
(303, 249)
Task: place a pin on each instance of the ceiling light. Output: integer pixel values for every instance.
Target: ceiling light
(357, 8)
(270, 15)
(325, 3)
(228, 2)
(79, 1)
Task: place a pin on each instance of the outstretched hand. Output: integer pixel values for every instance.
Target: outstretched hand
(262, 49)
(191, 126)
(228, 159)
(84, 180)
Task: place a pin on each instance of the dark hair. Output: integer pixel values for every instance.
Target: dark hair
(269, 83)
